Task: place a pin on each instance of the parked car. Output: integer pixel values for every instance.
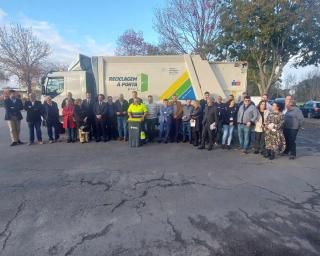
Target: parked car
(311, 109)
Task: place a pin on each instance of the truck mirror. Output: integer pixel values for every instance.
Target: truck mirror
(43, 89)
(43, 79)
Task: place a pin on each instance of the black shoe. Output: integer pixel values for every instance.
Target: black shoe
(223, 146)
(272, 155)
(159, 141)
(284, 154)
(68, 141)
(267, 153)
(105, 140)
(201, 147)
(210, 148)
(165, 142)
(256, 152)
(13, 144)
(195, 144)
(292, 157)
(98, 140)
(20, 142)
(191, 142)
(228, 147)
(184, 141)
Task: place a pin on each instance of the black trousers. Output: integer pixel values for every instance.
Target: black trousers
(101, 129)
(176, 129)
(209, 135)
(290, 136)
(259, 142)
(195, 136)
(151, 128)
(91, 128)
(111, 128)
(219, 132)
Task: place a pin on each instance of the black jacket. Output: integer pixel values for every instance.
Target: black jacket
(51, 113)
(196, 114)
(221, 109)
(13, 109)
(79, 115)
(210, 115)
(122, 108)
(101, 109)
(88, 108)
(231, 115)
(34, 112)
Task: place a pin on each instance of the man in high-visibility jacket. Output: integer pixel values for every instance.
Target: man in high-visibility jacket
(137, 110)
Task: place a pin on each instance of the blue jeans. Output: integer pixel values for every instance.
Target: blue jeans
(165, 129)
(50, 127)
(227, 134)
(186, 130)
(34, 126)
(244, 133)
(122, 126)
(71, 134)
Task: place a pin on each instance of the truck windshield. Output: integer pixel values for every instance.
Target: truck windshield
(55, 86)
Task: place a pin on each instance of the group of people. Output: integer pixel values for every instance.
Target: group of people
(268, 129)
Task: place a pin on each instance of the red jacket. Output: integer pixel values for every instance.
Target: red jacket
(68, 119)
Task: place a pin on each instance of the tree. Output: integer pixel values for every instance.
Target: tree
(268, 34)
(22, 54)
(132, 43)
(188, 26)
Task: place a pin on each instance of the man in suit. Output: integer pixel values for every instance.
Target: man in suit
(34, 110)
(111, 119)
(209, 123)
(13, 107)
(101, 111)
(88, 106)
(51, 115)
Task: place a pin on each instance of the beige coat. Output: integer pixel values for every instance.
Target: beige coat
(259, 124)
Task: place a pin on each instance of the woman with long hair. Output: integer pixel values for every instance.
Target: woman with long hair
(196, 122)
(68, 120)
(274, 138)
(229, 121)
(259, 141)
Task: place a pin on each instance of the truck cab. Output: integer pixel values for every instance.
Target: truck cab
(78, 80)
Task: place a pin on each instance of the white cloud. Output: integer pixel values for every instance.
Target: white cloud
(2, 13)
(96, 49)
(63, 51)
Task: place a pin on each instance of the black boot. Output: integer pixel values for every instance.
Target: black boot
(267, 153)
(272, 155)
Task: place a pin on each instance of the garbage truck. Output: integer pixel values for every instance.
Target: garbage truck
(185, 76)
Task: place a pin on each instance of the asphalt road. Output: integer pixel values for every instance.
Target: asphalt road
(108, 199)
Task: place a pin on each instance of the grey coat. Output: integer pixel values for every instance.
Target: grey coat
(293, 118)
(248, 115)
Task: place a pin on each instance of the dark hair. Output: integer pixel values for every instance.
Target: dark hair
(150, 96)
(262, 101)
(266, 94)
(278, 105)
(134, 92)
(207, 92)
(101, 95)
(247, 97)
(12, 91)
(231, 95)
(165, 100)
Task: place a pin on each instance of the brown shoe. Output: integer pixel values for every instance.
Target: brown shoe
(120, 138)
(125, 139)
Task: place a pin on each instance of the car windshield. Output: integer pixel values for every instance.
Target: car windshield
(55, 85)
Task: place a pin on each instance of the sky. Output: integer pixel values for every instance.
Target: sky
(90, 27)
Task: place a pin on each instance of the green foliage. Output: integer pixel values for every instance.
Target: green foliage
(268, 34)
